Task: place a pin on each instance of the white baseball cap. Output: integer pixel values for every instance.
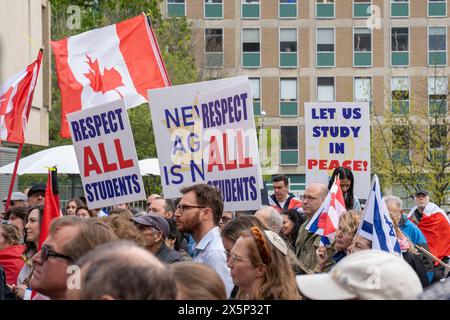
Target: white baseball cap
(365, 275)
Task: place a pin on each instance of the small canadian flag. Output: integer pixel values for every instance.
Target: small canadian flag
(120, 61)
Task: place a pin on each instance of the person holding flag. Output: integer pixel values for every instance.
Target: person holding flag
(377, 231)
(348, 225)
(325, 221)
(435, 225)
(307, 242)
(376, 228)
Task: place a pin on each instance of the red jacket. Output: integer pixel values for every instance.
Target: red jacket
(12, 262)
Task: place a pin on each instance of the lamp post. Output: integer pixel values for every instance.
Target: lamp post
(263, 139)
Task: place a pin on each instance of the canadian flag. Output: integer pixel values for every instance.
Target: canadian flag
(121, 61)
(16, 95)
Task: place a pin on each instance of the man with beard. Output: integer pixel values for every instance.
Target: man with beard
(198, 214)
(435, 226)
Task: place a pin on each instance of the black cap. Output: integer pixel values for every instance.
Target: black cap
(36, 188)
(425, 192)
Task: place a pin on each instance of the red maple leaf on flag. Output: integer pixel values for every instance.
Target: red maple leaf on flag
(109, 80)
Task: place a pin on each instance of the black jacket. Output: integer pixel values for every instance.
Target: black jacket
(417, 264)
(167, 255)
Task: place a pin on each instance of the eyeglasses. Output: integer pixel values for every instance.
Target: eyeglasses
(182, 207)
(232, 257)
(46, 253)
(309, 198)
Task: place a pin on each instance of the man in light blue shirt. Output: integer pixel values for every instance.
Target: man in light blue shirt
(198, 214)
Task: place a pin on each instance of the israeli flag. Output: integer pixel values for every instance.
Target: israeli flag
(376, 224)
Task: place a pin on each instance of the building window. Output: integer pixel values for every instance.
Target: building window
(289, 145)
(287, 9)
(362, 46)
(255, 84)
(437, 46)
(213, 47)
(325, 47)
(361, 8)
(288, 97)
(325, 89)
(437, 95)
(250, 9)
(437, 8)
(176, 8)
(288, 48)
(400, 47)
(251, 48)
(400, 95)
(362, 90)
(324, 9)
(213, 9)
(401, 151)
(399, 8)
(438, 141)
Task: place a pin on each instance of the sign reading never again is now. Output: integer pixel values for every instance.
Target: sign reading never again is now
(106, 155)
(205, 133)
(337, 134)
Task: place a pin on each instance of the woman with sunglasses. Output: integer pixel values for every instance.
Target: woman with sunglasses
(33, 231)
(260, 267)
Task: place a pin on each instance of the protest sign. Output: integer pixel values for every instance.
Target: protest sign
(106, 155)
(337, 134)
(205, 133)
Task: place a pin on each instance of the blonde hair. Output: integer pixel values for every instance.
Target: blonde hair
(349, 221)
(279, 281)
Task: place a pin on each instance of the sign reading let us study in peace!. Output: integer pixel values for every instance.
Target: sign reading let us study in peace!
(205, 133)
(337, 134)
(106, 155)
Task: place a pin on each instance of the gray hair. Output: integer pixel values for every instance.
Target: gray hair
(273, 218)
(394, 199)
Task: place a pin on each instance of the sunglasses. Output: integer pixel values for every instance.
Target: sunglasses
(46, 253)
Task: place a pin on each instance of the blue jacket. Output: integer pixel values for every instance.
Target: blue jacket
(411, 231)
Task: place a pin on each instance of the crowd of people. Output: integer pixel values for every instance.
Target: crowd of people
(191, 249)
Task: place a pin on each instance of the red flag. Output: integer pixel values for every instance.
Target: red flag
(325, 221)
(120, 61)
(16, 95)
(51, 205)
(435, 226)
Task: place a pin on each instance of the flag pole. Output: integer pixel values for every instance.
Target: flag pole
(13, 178)
(432, 256)
(19, 151)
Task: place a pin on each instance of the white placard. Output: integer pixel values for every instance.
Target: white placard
(106, 155)
(205, 133)
(338, 134)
